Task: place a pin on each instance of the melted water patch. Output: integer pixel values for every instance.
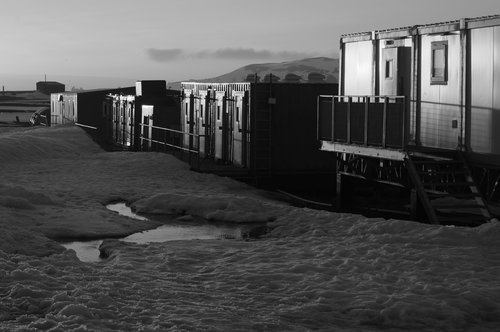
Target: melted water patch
(124, 210)
(184, 228)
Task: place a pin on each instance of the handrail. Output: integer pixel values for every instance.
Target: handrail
(364, 96)
(85, 126)
(169, 129)
(180, 147)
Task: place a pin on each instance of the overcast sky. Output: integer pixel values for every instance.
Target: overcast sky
(182, 39)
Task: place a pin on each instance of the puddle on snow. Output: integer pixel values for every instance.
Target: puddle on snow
(124, 210)
(200, 229)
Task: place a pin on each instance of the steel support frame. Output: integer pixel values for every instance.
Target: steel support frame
(381, 170)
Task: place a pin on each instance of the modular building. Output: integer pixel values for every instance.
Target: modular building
(85, 107)
(431, 90)
(145, 118)
(48, 87)
(260, 128)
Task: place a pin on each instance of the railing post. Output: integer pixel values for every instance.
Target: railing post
(333, 118)
(141, 138)
(198, 152)
(317, 117)
(349, 101)
(367, 106)
(404, 139)
(384, 122)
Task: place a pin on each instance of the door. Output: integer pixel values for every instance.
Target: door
(147, 127)
(203, 122)
(185, 116)
(220, 124)
(395, 80)
(395, 71)
(129, 106)
(238, 127)
(195, 123)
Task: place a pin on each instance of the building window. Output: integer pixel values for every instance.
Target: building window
(389, 69)
(439, 62)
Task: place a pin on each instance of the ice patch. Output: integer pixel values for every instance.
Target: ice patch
(124, 210)
(185, 227)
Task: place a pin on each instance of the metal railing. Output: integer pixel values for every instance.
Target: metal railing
(379, 121)
(163, 139)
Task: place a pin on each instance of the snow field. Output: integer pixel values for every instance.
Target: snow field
(315, 270)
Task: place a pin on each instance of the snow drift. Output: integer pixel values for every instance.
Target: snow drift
(315, 270)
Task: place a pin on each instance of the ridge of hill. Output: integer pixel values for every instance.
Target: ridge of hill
(329, 67)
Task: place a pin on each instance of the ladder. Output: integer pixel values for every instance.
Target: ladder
(445, 189)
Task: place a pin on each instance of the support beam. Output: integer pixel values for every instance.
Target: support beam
(343, 192)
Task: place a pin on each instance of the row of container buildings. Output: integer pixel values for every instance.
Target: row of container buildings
(416, 108)
(248, 130)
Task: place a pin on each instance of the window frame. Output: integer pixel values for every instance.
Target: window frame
(389, 69)
(439, 79)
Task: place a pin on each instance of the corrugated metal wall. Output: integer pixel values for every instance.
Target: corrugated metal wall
(292, 138)
(358, 68)
(267, 128)
(485, 90)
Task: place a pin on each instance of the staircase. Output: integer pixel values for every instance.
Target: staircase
(445, 189)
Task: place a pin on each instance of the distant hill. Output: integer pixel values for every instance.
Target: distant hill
(328, 67)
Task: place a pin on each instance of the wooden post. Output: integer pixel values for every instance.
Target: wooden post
(414, 205)
(339, 192)
(417, 212)
(343, 192)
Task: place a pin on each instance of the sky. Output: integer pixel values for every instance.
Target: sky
(178, 40)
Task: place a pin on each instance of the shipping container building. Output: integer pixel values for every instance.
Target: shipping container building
(84, 107)
(418, 107)
(142, 120)
(48, 87)
(261, 129)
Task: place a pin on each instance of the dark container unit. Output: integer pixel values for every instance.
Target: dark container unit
(265, 130)
(84, 108)
(136, 120)
(48, 87)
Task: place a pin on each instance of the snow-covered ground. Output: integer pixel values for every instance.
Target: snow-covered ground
(315, 270)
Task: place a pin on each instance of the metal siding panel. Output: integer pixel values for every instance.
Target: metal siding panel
(185, 116)
(430, 96)
(358, 68)
(496, 91)
(481, 89)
